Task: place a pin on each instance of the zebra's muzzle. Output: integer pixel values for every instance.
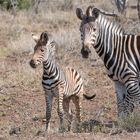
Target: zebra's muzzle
(32, 64)
(85, 52)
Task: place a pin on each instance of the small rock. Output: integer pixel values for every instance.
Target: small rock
(116, 131)
(35, 118)
(41, 133)
(44, 120)
(15, 130)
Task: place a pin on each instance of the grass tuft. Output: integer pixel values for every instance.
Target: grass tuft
(130, 123)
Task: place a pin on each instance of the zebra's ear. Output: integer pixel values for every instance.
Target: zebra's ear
(79, 13)
(44, 38)
(54, 47)
(35, 38)
(89, 10)
(95, 13)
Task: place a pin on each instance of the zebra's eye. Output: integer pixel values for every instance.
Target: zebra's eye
(42, 50)
(94, 29)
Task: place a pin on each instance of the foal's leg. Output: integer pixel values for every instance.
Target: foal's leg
(66, 103)
(60, 107)
(49, 99)
(77, 101)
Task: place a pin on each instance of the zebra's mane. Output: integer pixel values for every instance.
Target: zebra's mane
(105, 23)
(51, 44)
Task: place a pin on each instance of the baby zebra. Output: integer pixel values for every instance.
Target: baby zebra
(65, 85)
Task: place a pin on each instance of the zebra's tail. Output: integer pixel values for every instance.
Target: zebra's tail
(89, 97)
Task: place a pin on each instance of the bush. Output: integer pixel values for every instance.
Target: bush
(24, 4)
(5, 3)
(20, 4)
(131, 122)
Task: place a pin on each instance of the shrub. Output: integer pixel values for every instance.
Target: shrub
(24, 4)
(20, 4)
(131, 122)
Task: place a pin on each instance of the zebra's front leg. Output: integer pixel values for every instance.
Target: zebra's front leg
(120, 93)
(49, 99)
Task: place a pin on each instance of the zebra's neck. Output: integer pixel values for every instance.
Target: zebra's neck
(106, 41)
(107, 24)
(50, 67)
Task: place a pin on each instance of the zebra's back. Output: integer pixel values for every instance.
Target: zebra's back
(132, 51)
(74, 81)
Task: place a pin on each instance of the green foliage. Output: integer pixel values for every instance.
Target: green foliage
(5, 3)
(2, 1)
(21, 4)
(24, 4)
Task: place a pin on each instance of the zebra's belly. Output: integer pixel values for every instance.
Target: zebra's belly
(119, 77)
(56, 91)
(111, 75)
(50, 84)
(114, 77)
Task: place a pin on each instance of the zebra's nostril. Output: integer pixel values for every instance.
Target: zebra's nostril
(86, 48)
(32, 64)
(84, 53)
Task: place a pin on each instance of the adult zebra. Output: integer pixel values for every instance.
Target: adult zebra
(119, 52)
(65, 85)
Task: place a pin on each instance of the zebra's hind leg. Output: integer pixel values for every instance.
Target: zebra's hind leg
(68, 115)
(76, 126)
(77, 101)
(120, 93)
(133, 94)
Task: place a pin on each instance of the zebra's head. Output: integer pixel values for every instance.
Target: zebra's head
(89, 29)
(43, 50)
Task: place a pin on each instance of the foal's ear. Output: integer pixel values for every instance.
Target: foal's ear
(44, 38)
(35, 38)
(79, 13)
(95, 12)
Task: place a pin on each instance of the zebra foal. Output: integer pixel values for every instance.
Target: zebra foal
(64, 84)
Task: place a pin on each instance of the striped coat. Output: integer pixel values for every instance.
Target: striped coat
(64, 84)
(119, 52)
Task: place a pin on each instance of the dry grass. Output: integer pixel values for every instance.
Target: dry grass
(130, 123)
